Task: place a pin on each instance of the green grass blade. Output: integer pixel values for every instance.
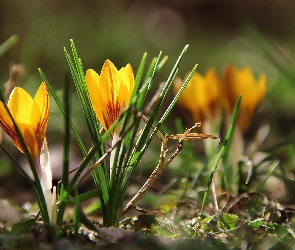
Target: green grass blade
(175, 99)
(8, 44)
(60, 106)
(27, 177)
(231, 130)
(83, 197)
(67, 132)
(66, 156)
(148, 79)
(82, 166)
(78, 63)
(84, 95)
(135, 100)
(161, 99)
(86, 107)
(143, 144)
(138, 101)
(87, 110)
(224, 149)
(139, 75)
(270, 171)
(76, 217)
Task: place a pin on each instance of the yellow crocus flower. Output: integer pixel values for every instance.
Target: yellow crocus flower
(236, 82)
(31, 116)
(201, 97)
(110, 91)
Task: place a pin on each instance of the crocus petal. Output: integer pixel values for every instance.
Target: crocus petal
(243, 82)
(7, 125)
(214, 89)
(25, 113)
(198, 83)
(42, 100)
(110, 91)
(102, 94)
(23, 108)
(129, 72)
(127, 84)
(92, 81)
(30, 118)
(201, 96)
(229, 95)
(110, 83)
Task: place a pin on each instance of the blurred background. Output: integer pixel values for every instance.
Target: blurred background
(259, 34)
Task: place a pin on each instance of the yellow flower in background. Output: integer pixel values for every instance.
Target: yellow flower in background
(201, 97)
(110, 91)
(236, 82)
(31, 116)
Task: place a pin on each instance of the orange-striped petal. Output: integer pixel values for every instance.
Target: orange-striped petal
(110, 91)
(42, 100)
(31, 117)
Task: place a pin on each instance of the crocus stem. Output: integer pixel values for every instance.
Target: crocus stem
(46, 182)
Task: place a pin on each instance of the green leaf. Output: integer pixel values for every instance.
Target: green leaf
(8, 44)
(76, 217)
(256, 223)
(83, 197)
(65, 176)
(205, 223)
(230, 220)
(23, 226)
(139, 75)
(223, 153)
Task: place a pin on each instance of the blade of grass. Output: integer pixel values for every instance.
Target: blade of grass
(66, 156)
(139, 102)
(139, 75)
(223, 151)
(175, 99)
(77, 69)
(156, 109)
(91, 121)
(27, 177)
(76, 217)
(143, 144)
(83, 197)
(270, 171)
(60, 106)
(8, 44)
